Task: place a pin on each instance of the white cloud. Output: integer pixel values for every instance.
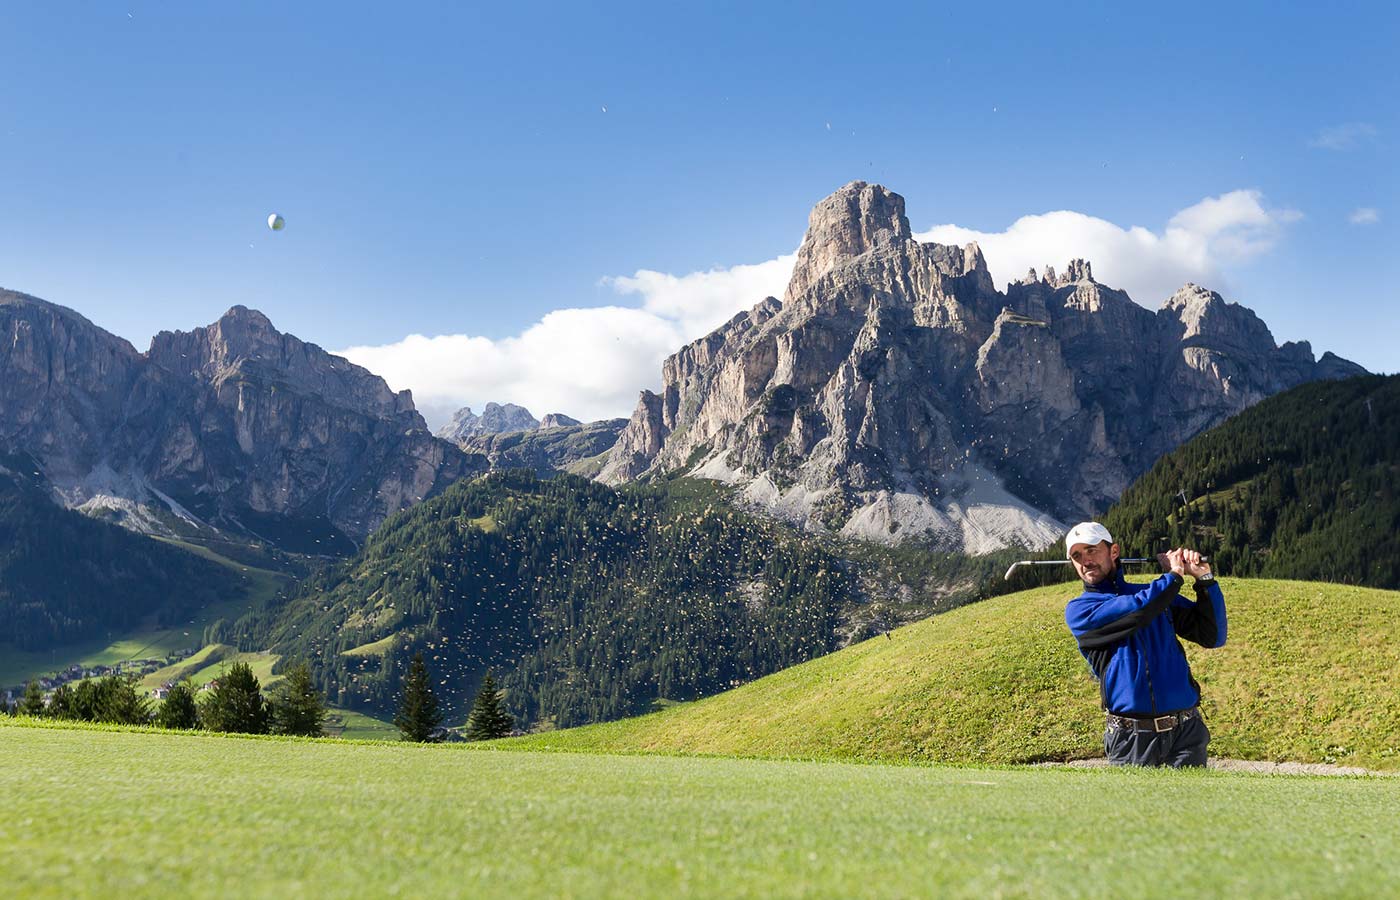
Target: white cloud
(1343, 137)
(588, 363)
(1364, 215)
(1194, 246)
(591, 362)
(702, 301)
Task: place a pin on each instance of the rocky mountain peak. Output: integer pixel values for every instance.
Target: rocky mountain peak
(1205, 316)
(230, 425)
(495, 418)
(1078, 271)
(973, 260)
(853, 221)
(244, 332)
(249, 318)
(896, 393)
(558, 420)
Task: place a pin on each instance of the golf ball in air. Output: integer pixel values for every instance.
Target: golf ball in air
(276, 222)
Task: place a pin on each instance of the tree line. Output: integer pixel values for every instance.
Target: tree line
(236, 704)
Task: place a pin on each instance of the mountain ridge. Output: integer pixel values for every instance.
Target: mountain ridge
(232, 426)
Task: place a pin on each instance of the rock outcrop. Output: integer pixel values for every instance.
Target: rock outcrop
(548, 450)
(896, 393)
(496, 418)
(233, 426)
(558, 420)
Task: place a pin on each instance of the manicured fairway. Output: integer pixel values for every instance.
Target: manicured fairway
(92, 813)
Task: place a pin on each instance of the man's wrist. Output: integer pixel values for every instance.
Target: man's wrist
(1205, 576)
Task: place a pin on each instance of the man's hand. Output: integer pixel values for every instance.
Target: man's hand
(1191, 561)
(1173, 561)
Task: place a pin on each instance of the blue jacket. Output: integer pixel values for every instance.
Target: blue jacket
(1128, 634)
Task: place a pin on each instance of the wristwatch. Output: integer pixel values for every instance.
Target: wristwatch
(1209, 576)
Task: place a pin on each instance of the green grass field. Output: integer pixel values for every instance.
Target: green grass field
(356, 726)
(1311, 673)
(107, 813)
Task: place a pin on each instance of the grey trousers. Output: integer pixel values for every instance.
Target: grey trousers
(1184, 745)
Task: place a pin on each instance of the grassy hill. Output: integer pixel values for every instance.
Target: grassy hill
(287, 816)
(1311, 673)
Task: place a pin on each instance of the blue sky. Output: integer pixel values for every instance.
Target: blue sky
(487, 174)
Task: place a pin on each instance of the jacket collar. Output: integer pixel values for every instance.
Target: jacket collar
(1114, 583)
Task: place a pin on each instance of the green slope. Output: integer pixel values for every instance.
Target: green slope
(252, 587)
(592, 603)
(96, 813)
(588, 602)
(66, 578)
(1311, 673)
(1304, 485)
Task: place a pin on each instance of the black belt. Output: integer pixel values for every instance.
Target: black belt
(1153, 723)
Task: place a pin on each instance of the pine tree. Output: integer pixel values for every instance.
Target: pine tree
(418, 715)
(297, 707)
(32, 703)
(120, 702)
(179, 710)
(488, 719)
(236, 704)
(61, 703)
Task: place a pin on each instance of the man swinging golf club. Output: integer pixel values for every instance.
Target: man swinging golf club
(1128, 634)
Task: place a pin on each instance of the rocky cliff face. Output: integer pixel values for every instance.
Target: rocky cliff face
(233, 426)
(895, 393)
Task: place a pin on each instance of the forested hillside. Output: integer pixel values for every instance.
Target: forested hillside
(1304, 485)
(588, 602)
(65, 577)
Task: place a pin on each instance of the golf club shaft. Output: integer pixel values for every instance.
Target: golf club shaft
(1065, 562)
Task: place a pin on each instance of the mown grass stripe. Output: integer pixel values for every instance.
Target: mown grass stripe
(93, 812)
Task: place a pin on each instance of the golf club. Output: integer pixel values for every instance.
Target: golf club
(1065, 562)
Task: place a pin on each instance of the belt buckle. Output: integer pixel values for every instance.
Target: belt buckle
(1158, 727)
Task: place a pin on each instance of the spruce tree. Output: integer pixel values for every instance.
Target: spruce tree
(61, 703)
(32, 703)
(121, 702)
(297, 707)
(418, 715)
(86, 700)
(236, 704)
(488, 719)
(179, 710)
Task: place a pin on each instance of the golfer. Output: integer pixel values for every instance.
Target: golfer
(1128, 633)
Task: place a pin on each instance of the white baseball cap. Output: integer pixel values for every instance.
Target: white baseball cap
(1086, 533)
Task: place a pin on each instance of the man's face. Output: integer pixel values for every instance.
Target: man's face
(1094, 562)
